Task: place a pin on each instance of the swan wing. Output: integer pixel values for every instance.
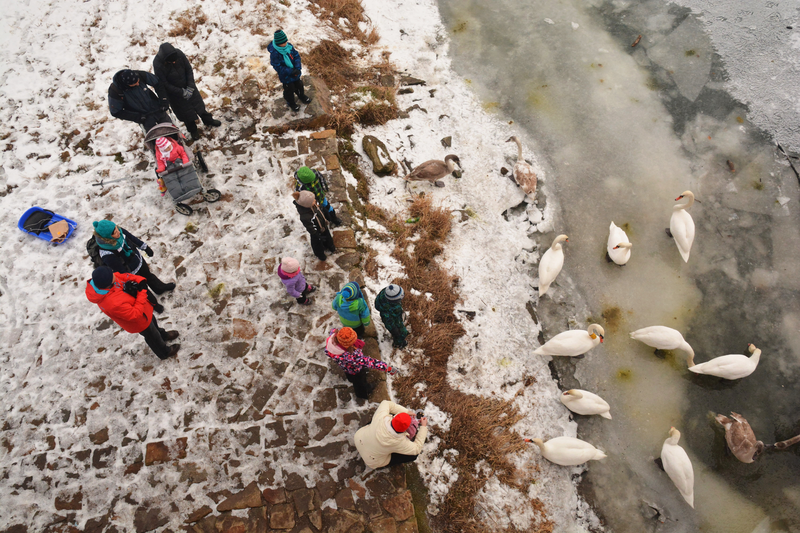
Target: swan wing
(549, 268)
(732, 366)
(526, 178)
(681, 226)
(568, 451)
(429, 171)
(660, 337)
(568, 343)
(679, 469)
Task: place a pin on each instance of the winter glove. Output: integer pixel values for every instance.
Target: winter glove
(392, 371)
(143, 285)
(187, 93)
(148, 251)
(295, 72)
(164, 105)
(131, 287)
(358, 344)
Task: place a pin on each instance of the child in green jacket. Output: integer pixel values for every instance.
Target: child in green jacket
(389, 304)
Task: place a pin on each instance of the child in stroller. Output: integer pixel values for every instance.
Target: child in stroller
(168, 152)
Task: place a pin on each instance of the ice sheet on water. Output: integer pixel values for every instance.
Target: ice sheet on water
(686, 54)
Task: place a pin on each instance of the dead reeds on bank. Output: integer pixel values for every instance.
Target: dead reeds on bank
(481, 428)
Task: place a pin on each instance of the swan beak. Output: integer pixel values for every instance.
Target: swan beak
(457, 173)
(679, 197)
(527, 440)
(601, 339)
(616, 247)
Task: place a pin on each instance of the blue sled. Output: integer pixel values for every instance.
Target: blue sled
(36, 221)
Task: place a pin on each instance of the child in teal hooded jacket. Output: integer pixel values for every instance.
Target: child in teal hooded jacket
(352, 308)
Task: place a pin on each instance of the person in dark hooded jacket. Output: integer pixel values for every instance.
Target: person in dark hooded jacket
(285, 59)
(315, 222)
(175, 72)
(130, 99)
(388, 303)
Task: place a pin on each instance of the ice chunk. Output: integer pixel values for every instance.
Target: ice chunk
(686, 55)
(549, 21)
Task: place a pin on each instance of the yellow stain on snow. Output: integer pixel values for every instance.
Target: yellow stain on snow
(255, 64)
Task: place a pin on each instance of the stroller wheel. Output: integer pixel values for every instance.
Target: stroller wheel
(211, 195)
(184, 209)
(201, 161)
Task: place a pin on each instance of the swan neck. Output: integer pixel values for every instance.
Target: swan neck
(519, 149)
(625, 245)
(756, 355)
(689, 197)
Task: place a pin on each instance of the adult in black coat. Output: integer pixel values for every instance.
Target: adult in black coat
(172, 67)
(315, 222)
(129, 98)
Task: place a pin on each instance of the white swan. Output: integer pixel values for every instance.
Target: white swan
(733, 366)
(568, 451)
(664, 338)
(523, 173)
(551, 263)
(681, 225)
(585, 403)
(619, 247)
(573, 342)
(678, 466)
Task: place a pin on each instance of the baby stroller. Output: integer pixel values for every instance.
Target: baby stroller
(181, 180)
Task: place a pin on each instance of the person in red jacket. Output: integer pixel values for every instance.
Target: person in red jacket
(123, 297)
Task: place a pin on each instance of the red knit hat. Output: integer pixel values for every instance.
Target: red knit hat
(401, 422)
(346, 337)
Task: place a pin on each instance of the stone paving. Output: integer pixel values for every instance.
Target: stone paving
(258, 411)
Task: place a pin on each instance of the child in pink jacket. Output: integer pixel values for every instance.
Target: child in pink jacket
(168, 151)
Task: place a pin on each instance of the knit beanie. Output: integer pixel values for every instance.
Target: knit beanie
(128, 77)
(400, 422)
(394, 292)
(164, 146)
(346, 337)
(104, 228)
(280, 37)
(103, 277)
(305, 175)
(290, 265)
(304, 198)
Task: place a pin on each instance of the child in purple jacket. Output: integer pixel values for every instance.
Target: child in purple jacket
(296, 286)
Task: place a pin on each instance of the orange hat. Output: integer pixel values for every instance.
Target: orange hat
(401, 422)
(346, 337)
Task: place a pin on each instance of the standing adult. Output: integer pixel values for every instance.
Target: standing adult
(315, 222)
(129, 98)
(285, 59)
(175, 72)
(123, 298)
(385, 442)
(120, 250)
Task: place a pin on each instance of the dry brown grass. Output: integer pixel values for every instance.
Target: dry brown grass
(187, 22)
(482, 427)
(352, 12)
(329, 61)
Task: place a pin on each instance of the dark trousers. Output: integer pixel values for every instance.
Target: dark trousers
(360, 331)
(320, 243)
(304, 295)
(204, 115)
(290, 89)
(154, 337)
(360, 385)
(399, 458)
(158, 286)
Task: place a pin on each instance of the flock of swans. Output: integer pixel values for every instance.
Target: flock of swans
(568, 451)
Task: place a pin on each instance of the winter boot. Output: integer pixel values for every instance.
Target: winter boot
(305, 99)
(171, 336)
(214, 123)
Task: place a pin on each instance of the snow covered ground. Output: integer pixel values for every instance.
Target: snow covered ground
(60, 377)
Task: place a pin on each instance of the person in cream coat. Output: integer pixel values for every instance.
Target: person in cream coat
(385, 442)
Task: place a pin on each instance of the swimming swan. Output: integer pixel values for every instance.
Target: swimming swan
(739, 435)
(523, 173)
(551, 263)
(732, 366)
(585, 403)
(619, 247)
(573, 342)
(568, 451)
(664, 338)
(681, 225)
(678, 466)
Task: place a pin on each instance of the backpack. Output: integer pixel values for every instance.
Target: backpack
(94, 252)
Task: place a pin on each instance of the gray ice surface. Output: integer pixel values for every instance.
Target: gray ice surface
(624, 130)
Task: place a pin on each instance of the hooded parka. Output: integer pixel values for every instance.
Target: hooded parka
(176, 77)
(378, 441)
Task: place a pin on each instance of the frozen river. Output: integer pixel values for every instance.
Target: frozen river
(698, 104)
